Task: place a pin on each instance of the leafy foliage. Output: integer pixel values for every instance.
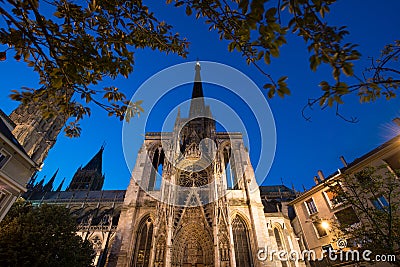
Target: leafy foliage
(42, 236)
(74, 47)
(375, 197)
(258, 29)
(77, 47)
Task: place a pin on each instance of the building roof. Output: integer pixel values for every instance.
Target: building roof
(8, 134)
(78, 196)
(275, 188)
(6, 118)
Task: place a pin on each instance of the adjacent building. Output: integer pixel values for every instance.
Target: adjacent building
(316, 209)
(16, 167)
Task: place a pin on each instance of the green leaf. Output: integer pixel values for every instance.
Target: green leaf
(188, 10)
(282, 79)
(314, 62)
(324, 86)
(58, 14)
(243, 5)
(268, 86)
(270, 14)
(179, 3)
(231, 46)
(271, 93)
(57, 82)
(336, 73)
(267, 58)
(260, 55)
(274, 52)
(348, 69)
(284, 90)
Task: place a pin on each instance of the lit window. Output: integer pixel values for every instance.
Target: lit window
(380, 203)
(334, 195)
(321, 231)
(311, 206)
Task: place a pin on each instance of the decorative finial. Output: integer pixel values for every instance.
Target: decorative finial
(197, 67)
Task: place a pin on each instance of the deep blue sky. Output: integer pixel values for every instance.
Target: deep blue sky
(302, 147)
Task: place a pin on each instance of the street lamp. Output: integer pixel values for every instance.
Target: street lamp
(325, 225)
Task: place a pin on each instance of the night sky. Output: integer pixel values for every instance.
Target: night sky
(302, 147)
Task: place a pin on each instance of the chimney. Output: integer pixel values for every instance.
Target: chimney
(321, 175)
(316, 180)
(344, 161)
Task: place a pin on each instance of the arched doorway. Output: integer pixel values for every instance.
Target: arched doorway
(193, 254)
(193, 247)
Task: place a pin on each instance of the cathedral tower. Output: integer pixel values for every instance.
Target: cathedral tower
(36, 134)
(193, 199)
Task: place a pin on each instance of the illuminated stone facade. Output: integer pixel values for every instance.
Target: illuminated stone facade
(192, 201)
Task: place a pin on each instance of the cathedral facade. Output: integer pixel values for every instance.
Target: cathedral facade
(192, 201)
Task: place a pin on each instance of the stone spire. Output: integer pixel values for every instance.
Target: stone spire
(89, 177)
(96, 163)
(197, 105)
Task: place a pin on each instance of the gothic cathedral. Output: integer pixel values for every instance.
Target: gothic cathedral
(192, 201)
(209, 211)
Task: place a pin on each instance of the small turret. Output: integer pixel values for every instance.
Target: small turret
(60, 186)
(49, 186)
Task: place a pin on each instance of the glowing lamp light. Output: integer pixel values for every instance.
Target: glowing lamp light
(325, 225)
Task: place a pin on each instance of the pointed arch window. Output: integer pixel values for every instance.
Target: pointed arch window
(230, 172)
(242, 243)
(279, 243)
(143, 243)
(156, 170)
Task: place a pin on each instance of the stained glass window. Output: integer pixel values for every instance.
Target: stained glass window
(143, 243)
(242, 243)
